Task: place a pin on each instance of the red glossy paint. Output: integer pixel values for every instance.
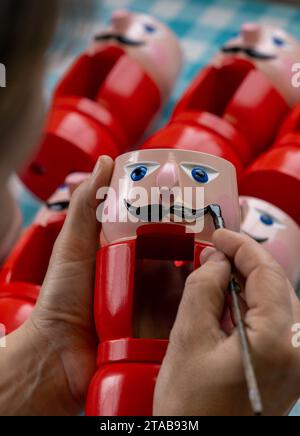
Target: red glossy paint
(23, 272)
(128, 366)
(96, 110)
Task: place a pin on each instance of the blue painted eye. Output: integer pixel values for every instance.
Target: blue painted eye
(149, 28)
(138, 173)
(278, 41)
(200, 175)
(267, 220)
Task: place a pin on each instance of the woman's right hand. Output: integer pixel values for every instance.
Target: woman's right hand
(202, 373)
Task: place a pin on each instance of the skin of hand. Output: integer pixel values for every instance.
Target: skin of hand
(202, 373)
(48, 363)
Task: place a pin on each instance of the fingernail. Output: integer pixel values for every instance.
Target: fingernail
(101, 162)
(206, 253)
(211, 255)
(75, 179)
(97, 167)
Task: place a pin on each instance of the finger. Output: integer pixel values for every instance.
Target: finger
(295, 302)
(75, 179)
(246, 253)
(80, 234)
(266, 281)
(202, 305)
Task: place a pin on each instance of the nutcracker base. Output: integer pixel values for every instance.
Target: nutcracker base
(122, 389)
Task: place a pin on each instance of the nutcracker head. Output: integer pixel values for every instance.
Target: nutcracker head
(272, 50)
(276, 231)
(147, 41)
(58, 204)
(174, 188)
(55, 208)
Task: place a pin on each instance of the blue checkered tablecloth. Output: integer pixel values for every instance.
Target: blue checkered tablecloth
(202, 25)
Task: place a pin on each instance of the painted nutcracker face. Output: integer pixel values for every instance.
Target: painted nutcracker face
(56, 206)
(276, 231)
(272, 50)
(169, 186)
(149, 42)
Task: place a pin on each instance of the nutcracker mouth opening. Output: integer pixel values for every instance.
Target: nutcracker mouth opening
(93, 71)
(164, 260)
(220, 84)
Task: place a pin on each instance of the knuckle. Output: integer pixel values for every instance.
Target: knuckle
(207, 294)
(270, 271)
(196, 282)
(180, 335)
(193, 279)
(78, 193)
(204, 276)
(184, 336)
(202, 281)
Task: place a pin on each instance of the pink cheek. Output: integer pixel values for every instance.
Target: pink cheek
(280, 252)
(286, 67)
(157, 53)
(230, 212)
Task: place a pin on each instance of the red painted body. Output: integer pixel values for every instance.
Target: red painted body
(234, 109)
(185, 133)
(23, 273)
(127, 365)
(274, 176)
(290, 131)
(96, 110)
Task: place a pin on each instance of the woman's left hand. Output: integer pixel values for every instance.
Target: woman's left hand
(61, 327)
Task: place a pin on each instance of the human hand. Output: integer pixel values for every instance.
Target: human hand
(202, 373)
(62, 322)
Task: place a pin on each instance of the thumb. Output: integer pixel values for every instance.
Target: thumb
(79, 237)
(68, 285)
(74, 180)
(202, 305)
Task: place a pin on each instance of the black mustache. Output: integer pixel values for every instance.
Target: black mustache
(119, 38)
(214, 210)
(156, 212)
(251, 52)
(58, 206)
